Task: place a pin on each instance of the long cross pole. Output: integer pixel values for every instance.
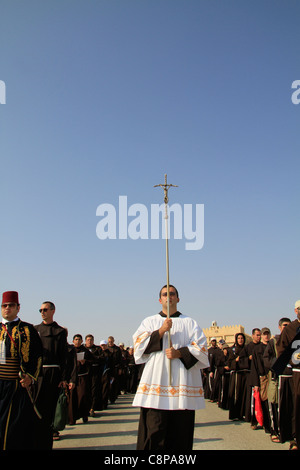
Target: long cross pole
(166, 188)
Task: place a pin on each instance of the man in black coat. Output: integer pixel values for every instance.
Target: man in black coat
(250, 347)
(258, 379)
(53, 376)
(289, 341)
(115, 370)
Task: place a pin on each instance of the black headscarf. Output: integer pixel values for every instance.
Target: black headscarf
(238, 347)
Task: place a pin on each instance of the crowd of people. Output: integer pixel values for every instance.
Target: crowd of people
(242, 379)
(37, 363)
(100, 374)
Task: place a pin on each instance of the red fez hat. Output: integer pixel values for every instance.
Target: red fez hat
(10, 296)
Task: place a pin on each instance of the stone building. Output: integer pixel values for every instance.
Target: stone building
(224, 332)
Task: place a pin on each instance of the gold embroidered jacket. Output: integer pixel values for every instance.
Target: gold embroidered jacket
(21, 345)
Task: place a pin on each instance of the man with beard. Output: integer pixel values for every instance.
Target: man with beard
(286, 341)
(250, 347)
(259, 380)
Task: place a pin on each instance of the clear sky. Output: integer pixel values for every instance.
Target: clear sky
(103, 97)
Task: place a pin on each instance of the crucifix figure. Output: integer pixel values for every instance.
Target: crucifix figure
(166, 188)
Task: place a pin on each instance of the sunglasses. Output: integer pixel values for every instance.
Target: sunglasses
(8, 305)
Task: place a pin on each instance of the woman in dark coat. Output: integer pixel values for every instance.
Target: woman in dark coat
(239, 366)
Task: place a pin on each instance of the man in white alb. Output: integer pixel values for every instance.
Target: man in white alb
(168, 409)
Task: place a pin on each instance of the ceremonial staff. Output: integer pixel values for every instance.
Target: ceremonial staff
(166, 188)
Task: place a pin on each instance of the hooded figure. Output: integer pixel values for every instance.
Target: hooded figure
(239, 365)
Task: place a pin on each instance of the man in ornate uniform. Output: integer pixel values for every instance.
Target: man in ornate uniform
(20, 363)
(168, 409)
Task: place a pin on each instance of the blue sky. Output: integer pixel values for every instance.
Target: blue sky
(105, 97)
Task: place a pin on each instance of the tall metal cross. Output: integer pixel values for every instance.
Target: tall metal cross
(166, 188)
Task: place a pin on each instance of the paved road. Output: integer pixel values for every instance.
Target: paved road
(115, 429)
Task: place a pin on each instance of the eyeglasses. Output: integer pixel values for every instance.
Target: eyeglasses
(8, 305)
(170, 293)
(43, 310)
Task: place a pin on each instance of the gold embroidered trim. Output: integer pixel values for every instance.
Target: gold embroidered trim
(203, 349)
(10, 370)
(141, 338)
(26, 345)
(170, 391)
